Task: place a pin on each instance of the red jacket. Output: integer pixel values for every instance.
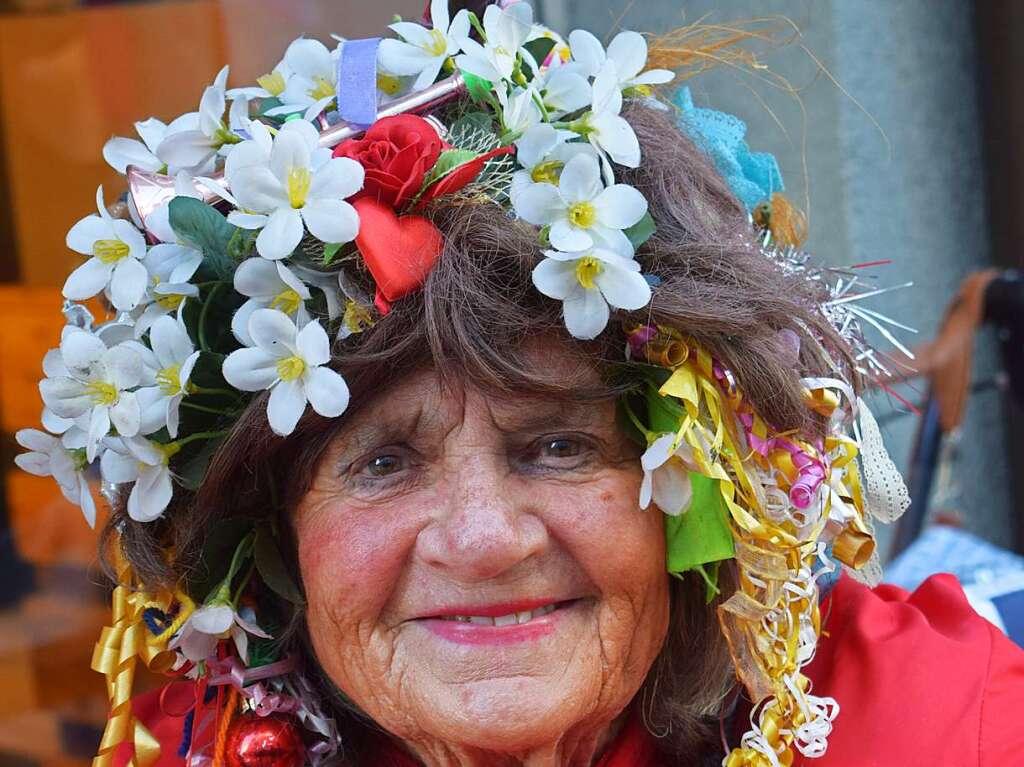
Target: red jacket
(920, 680)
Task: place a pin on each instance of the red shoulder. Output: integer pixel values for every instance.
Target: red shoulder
(920, 679)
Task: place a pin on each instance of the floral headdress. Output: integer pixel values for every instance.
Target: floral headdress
(228, 270)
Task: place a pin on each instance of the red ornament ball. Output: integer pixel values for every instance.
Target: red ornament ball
(264, 741)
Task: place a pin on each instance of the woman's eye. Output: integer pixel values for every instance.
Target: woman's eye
(562, 448)
(384, 465)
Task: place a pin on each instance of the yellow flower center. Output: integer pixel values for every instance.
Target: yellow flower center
(357, 317)
(290, 368)
(547, 172)
(583, 215)
(272, 83)
(102, 393)
(299, 181)
(169, 450)
(389, 84)
(322, 90)
(169, 301)
(438, 45)
(110, 251)
(587, 269)
(287, 301)
(168, 380)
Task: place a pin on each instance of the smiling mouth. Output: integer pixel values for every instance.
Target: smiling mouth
(511, 619)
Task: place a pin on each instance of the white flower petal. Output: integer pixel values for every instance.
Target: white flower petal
(290, 151)
(67, 398)
(312, 345)
(587, 51)
(126, 415)
(258, 189)
(567, 237)
(273, 332)
(281, 235)
(170, 342)
(308, 58)
(629, 52)
(87, 280)
(341, 177)
(128, 284)
(586, 314)
(540, 204)
(622, 288)
(151, 132)
(151, 494)
(257, 277)
(654, 77)
(331, 220)
(187, 149)
(213, 619)
(620, 206)
(556, 279)
(152, 409)
(247, 220)
(326, 390)
(400, 58)
(118, 468)
(81, 351)
(672, 488)
(122, 152)
(658, 452)
(250, 369)
(285, 407)
(83, 235)
(616, 137)
(580, 180)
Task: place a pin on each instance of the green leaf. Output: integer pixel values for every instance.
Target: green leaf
(540, 48)
(220, 544)
(206, 229)
(191, 474)
(331, 250)
(478, 88)
(641, 231)
(271, 567)
(701, 534)
(449, 161)
(267, 104)
(664, 414)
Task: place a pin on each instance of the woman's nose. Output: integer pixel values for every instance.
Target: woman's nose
(485, 524)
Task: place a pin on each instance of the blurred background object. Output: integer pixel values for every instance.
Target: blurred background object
(905, 136)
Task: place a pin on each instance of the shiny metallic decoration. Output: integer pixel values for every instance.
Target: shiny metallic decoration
(148, 191)
(268, 741)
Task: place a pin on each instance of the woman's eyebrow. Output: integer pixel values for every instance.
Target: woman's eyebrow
(538, 416)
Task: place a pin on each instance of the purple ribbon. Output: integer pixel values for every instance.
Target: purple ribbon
(357, 81)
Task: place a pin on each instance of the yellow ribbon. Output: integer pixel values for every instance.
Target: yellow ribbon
(120, 645)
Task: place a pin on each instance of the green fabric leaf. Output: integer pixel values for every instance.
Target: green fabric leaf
(272, 569)
(220, 544)
(331, 250)
(478, 88)
(701, 534)
(449, 161)
(191, 474)
(540, 48)
(641, 231)
(206, 229)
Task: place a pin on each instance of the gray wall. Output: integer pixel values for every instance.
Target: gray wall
(910, 188)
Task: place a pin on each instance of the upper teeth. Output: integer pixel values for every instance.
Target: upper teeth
(502, 620)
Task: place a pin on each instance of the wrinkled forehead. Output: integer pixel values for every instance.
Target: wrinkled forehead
(432, 396)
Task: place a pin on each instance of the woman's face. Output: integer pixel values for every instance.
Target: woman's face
(478, 573)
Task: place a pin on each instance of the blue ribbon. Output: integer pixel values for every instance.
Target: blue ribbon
(357, 81)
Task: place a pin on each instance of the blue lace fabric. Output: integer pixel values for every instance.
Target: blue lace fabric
(753, 176)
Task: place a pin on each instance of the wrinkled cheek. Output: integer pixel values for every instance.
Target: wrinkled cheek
(349, 569)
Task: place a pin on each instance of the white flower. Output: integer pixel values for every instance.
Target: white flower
(170, 268)
(50, 457)
(289, 362)
(145, 463)
(506, 30)
(269, 285)
(629, 52)
(289, 189)
(604, 127)
(667, 475)
(543, 151)
(587, 283)
(208, 625)
(90, 378)
(158, 222)
(170, 365)
(196, 149)
(422, 52)
(312, 82)
(115, 247)
(564, 89)
(270, 85)
(519, 110)
(581, 212)
(121, 152)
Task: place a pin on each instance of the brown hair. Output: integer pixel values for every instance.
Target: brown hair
(469, 322)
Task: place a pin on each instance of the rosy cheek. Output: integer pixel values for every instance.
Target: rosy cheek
(350, 558)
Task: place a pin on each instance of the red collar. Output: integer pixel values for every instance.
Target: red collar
(634, 747)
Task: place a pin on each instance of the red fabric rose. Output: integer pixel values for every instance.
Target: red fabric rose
(397, 153)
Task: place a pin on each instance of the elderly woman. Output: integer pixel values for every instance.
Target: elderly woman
(562, 493)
